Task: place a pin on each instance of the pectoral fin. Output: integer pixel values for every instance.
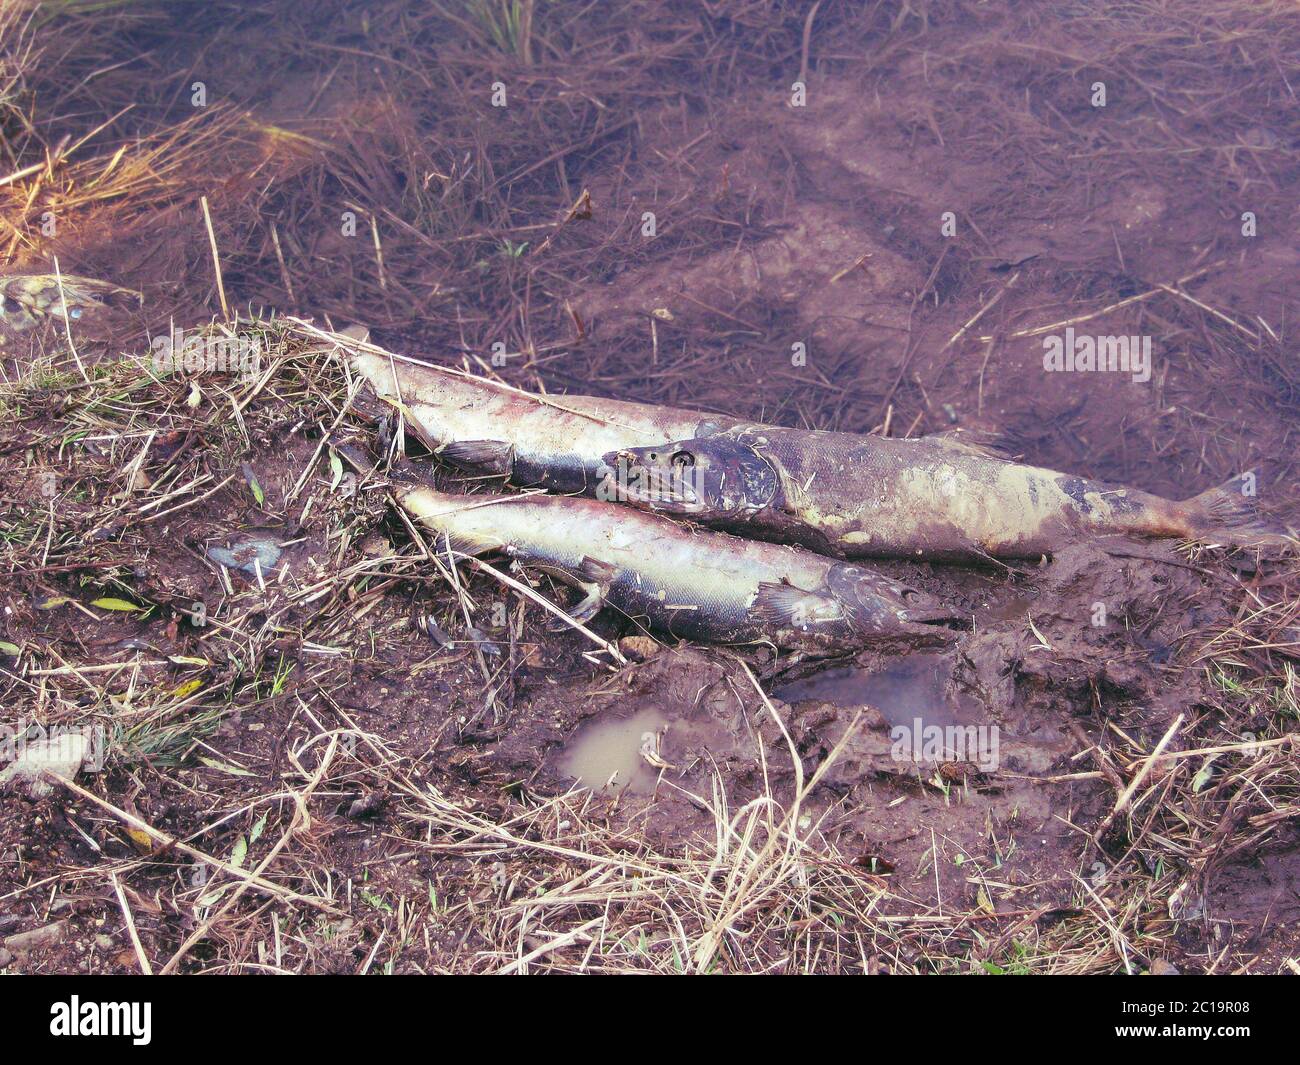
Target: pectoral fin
(594, 578)
(494, 457)
(589, 606)
(785, 606)
(467, 544)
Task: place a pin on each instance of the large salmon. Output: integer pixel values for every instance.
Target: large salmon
(935, 498)
(838, 493)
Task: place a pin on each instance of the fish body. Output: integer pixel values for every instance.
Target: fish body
(841, 494)
(687, 582)
(552, 442)
(931, 497)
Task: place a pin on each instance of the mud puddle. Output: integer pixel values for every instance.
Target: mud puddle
(916, 688)
(628, 754)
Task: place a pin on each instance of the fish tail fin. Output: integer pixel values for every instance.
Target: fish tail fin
(1229, 513)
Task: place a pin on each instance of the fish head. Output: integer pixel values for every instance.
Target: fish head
(703, 477)
(876, 603)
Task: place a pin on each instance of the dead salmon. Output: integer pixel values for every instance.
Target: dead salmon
(930, 497)
(676, 579)
(493, 430)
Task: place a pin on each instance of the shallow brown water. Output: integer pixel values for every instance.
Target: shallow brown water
(914, 688)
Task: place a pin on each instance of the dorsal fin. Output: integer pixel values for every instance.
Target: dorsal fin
(984, 443)
(479, 456)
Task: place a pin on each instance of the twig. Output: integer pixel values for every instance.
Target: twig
(1041, 329)
(143, 959)
(1121, 804)
(980, 313)
(67, 324)
(546, 604)
(170, 842)
(803, 51)
(300, 819)
(284, 269)
(1210, 310)
(581, 209)
(520, 964)
(216, 259)
(1172, 756)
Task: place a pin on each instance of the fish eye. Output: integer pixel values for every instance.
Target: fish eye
(683, 459)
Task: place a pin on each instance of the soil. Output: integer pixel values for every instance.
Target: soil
(800, 274)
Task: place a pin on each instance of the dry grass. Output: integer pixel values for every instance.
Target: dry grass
(468, 879)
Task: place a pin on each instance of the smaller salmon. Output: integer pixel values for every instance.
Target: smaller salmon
(932, 497)
(690, 583)
(534, 441)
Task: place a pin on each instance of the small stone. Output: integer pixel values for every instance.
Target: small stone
(368, 805)
(104, 942)
(61, 756)
(38, 938)
(640, 647)
(249, 553)
(1160, 967)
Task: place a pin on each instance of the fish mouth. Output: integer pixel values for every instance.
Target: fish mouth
(924, 613)
(638, 482)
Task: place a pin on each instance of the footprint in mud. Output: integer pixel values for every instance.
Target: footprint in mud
(613, 755)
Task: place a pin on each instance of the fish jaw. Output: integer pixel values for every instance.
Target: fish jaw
(649, 485)
(924, 609)
(922, 620)
(878, 604)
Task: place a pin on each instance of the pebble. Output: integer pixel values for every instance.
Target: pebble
(46, 936)
(639, 646)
